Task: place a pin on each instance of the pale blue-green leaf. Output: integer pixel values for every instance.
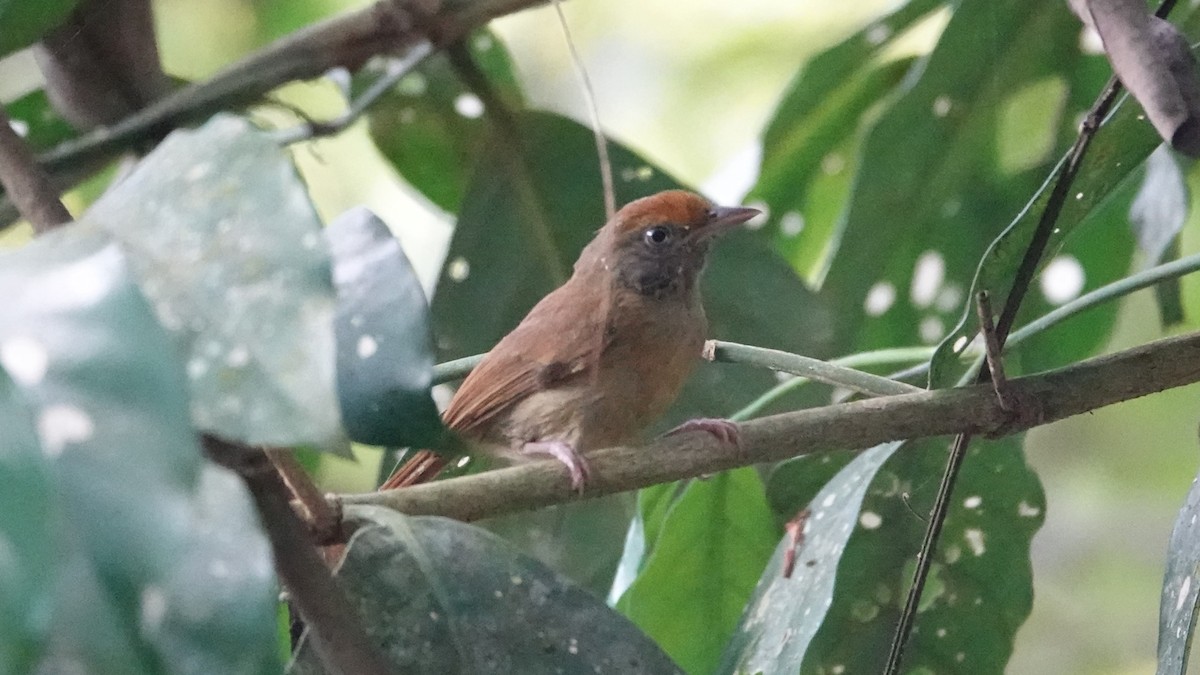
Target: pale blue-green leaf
(227, 247)
(153, 568)
(784, 614)
(1181, 588)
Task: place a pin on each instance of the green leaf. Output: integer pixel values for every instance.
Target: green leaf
(430, 125)
(37, 122)
(154, 561)
(653, 505)
(31, 563)
(1180, 589)
(25, 22)
(384, 350)
(793, 483)
(712, 548)
(817, 123)
(524, 221)
(444, 597)
(228, 249)
(978, 594)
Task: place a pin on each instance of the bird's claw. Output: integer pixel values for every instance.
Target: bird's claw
(577, 466)
(724, 431)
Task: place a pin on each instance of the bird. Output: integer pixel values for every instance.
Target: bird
(605, 354)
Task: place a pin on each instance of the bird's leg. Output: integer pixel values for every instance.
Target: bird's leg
(566, 453)
(725, 431)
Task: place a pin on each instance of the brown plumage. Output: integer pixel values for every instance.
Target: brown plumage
(604, 355)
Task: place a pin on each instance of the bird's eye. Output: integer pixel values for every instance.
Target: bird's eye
(657, 235)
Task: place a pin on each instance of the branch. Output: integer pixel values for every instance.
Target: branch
(26, 182)
(346, 41)
(1057, 394)
(336, 631)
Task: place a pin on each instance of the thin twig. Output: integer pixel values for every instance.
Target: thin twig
(347, 40)
(589, 95)
(991, 348)
(1058, 394)
(813, 369)
(27, 183)
(335, 629)
(1012, 303)
(395, 70)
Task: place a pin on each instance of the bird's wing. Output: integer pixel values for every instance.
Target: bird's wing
(558, 340)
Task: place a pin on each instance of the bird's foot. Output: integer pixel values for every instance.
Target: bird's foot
(725, 431)
(564, 452)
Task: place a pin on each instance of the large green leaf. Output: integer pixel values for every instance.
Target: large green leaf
(694, 585)
(947, 165)
(838, 610)
(154, 562)
(1180, 589)
(23, 22)
(810, 139)
(431, 126)
(444, 597)
(227, 247)
(384, 350)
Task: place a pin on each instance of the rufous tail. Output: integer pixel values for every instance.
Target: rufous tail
(422, 467)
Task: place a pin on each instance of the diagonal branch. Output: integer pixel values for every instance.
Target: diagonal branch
(344, 41)
(1057, 394)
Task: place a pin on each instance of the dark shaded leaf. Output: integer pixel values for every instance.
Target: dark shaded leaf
(1180, 589)
(431, 126)
(228, 249)
(25, 22)
(793, 483)
(580, 540)
(384, 355)
(714, 542)
(156, 562)
(978, 594)
(445, 597)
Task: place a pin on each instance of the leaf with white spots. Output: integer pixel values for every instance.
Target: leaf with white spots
(784, 614)
(220, 232)
(445, 597)
(384, 350)
(123, 511)
(1180, 603)
(944, 167)
(855, 563)
(431, 126)
(1157, 215)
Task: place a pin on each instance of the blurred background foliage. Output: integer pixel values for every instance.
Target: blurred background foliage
(691, 88)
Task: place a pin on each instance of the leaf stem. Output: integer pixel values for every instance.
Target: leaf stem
(813, 369)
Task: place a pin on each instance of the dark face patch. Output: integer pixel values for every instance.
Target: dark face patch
(660, 260)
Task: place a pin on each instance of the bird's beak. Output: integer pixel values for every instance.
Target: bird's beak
(722, 219)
